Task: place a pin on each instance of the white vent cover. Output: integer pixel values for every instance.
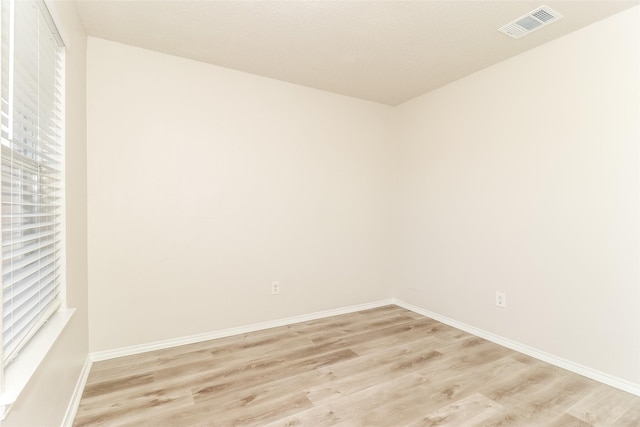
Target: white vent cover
(532, 21)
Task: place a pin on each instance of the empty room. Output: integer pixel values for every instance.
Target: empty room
(319, 213)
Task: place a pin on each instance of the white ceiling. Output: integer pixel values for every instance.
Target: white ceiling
(384, 51)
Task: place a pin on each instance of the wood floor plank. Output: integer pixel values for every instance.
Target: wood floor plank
(397, 406)
(449, 381)
(315, 416)
(601, 406)
(631, 417)
(335, 386)
(367, 335)
(252, 415)
(132, 411)
(506, 418)
(385, 366)
(116, 385)
(255, 375)
(566, 420)
(470, 410)
(363, 407)
(133, 366)
(549, 398)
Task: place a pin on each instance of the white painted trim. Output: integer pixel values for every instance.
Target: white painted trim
(585, 371)
(74, 403)
(174, 342)
(20, 371)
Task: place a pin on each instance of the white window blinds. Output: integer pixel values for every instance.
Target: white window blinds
(32, 171)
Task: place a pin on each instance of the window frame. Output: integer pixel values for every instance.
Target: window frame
(23, 365)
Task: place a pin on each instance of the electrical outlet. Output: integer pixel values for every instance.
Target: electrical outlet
(275, 288)
(501, 299)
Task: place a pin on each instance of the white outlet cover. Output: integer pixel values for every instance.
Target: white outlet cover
(501, 299)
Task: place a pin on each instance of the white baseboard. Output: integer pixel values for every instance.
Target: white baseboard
(174, 342)
(72, 409)
(514, 345)
(530, 351)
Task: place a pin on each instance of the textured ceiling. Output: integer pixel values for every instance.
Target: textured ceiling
(384, 51)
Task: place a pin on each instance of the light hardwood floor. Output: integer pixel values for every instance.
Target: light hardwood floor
(382, 367)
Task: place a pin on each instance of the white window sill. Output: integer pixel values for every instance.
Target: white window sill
(18, 373)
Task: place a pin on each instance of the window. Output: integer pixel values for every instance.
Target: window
(32, 160)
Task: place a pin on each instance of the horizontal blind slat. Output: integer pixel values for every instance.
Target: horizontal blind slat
(23, 319)
(30, 238)
(21, 292)
(17, 265)
(18, 336)
(25, 247)
(31, 272)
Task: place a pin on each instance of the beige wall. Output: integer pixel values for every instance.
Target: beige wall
(44, 401)
(523, 178)
(206, 184)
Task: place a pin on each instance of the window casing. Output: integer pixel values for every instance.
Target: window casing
(32, 178)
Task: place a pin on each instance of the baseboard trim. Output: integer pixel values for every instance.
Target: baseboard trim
(174, 342)
(74, 403)
(513, 345)
(530, 351)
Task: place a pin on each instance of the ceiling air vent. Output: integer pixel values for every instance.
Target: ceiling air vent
(533, 20)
